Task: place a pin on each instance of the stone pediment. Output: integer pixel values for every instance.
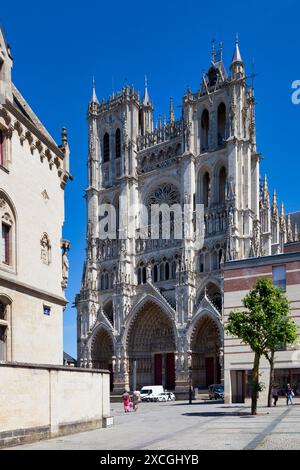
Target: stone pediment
(150, 291)
(207, 305)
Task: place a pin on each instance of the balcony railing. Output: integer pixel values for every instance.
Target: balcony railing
(159, 135)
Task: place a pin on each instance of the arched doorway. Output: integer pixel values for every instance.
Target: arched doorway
(205, 347)
(102, 351)
(151, 348)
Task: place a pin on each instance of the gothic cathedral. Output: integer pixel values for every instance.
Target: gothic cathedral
(150, 310)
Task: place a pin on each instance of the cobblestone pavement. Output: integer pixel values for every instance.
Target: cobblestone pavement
(178, 425)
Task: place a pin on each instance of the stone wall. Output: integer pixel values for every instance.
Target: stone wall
(45, 401)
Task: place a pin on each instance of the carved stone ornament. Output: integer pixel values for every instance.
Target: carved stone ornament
(45, 249)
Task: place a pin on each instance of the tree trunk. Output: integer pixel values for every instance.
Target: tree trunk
(255, 383)
(272, 379)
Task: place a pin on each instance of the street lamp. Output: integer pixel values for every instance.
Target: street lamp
(190, 386)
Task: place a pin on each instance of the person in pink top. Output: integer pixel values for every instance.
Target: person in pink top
(126, 401)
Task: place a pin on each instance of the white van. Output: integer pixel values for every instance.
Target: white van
(148, 392)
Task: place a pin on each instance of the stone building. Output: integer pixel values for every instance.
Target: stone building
(40, 397)
(150, 310)
(33, 270)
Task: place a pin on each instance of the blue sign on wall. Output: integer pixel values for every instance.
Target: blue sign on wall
(47, 310)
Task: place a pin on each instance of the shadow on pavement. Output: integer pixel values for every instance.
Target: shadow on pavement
(217, 413)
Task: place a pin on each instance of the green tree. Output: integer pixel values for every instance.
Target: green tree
(264, 326)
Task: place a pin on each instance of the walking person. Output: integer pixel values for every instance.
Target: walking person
(275, 394)
(126, 401)
(136, 399)
(289, 394)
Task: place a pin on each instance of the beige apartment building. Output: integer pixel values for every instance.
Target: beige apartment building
(33, 263)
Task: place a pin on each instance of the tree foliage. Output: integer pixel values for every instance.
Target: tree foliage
(265, 325)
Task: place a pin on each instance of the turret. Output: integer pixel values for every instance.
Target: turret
(282, 229)
(171, 112)
(237, 65)
(275, 225)
(146, 111)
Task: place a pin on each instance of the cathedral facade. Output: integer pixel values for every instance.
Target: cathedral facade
(150, 309)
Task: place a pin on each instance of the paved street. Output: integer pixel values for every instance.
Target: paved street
(177, 425)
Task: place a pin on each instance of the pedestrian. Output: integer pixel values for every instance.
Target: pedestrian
(275, 394)
(136, 399)
(289, 394)
(126, 401)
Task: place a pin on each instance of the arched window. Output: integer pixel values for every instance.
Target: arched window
(155, 273)
(102, 283)
(139, 273)
(173, 269)
(221, 123)
(144, 275)
(222, 185)
(206, 189)
(204, 130)
(5, 329)
(167, 271)
(215, 260)
(8, 233)
(106, 281)
(201, 263)
(106, 147)
(162, 272)
(118, 143)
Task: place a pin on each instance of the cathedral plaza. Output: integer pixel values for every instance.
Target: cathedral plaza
(201, 426)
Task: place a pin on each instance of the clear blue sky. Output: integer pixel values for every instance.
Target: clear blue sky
(58, 47)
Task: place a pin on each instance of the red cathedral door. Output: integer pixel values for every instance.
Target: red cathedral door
(209, 369)
(170, 371)
(158, 369)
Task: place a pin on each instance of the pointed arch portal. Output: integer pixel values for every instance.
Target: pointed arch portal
(205, 347)
(151, 348)
(102, 351)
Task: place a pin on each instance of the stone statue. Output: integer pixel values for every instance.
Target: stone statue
(65, 264)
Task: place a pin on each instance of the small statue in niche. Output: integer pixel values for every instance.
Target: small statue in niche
(65, 263)
(45, 249)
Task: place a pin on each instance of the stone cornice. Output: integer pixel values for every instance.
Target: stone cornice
(32, 291)
(53, 367)
(32, 128)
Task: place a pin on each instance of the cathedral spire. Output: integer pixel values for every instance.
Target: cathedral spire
(289, 230)
(146, 99)
(237, 64)
(213, 50)
(282, 218)
(274, 205)
(94, 96)
(265, 195)
(171, 112)
(236, 55)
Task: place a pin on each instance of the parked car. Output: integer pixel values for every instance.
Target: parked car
(165, 396)
(216, 391)
(149, 392)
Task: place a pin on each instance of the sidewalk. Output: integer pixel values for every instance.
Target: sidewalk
(178, 425)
